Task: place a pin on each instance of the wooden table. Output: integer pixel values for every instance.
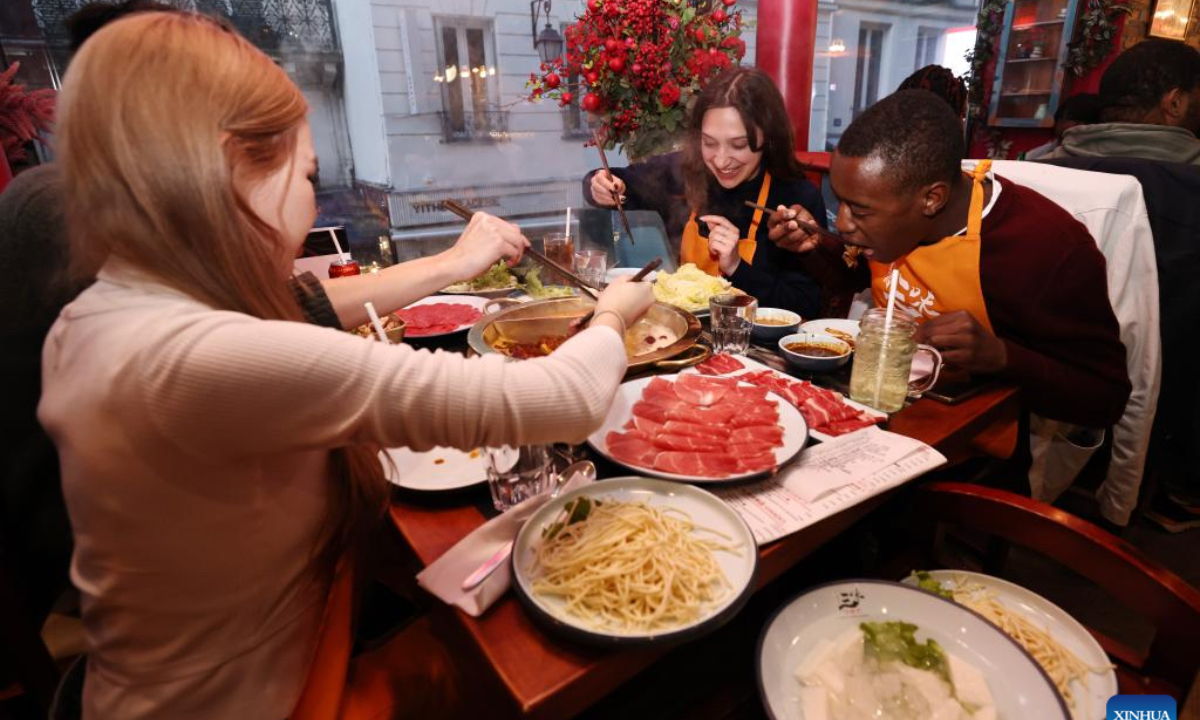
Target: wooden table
(543, 676)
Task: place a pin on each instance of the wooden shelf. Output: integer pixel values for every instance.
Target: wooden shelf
(1044, 23)
(1029, 60)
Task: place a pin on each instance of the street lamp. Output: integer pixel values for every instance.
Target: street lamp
(548, 42)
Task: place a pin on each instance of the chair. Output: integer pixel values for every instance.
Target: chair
(1112, 209)
(1118, 568)
(25, 657)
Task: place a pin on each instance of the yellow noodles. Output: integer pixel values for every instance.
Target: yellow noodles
(1060, 664)
(632, 567)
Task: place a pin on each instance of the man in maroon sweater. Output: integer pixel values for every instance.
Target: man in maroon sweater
(1038, 273)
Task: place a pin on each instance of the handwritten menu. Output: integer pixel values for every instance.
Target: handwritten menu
(827, 479)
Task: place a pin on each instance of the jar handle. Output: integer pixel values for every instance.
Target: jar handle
(917, 389)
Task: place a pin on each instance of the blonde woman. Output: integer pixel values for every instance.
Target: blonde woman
(219, 457)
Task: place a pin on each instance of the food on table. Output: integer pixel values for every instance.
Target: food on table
(879, 671)
(700, 426)
(720, 364)
(768, 320)
(437, 318)
(389, 322)
(628, 566)
(825, 411)
(815, 349)
(843, 336)
(500, 277)
(523, 351)
(1060, 664)
(644, 337)
(689, 288)
(850, 255)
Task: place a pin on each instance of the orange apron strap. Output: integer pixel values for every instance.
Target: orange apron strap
(975, 213)
(321, 698)
(749, 244)
(694, 248)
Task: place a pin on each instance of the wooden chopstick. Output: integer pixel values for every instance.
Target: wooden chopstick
(641, 275)
(805, 226)
(616, 195)
(579, 282)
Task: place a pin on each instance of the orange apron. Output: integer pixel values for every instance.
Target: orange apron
(694, 248)
(942, 278)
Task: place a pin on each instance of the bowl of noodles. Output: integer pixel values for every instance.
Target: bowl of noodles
(634, 561)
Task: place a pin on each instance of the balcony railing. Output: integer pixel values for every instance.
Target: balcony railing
(472, 126)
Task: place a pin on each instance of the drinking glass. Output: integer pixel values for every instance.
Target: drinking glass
(516, 473)
(591, 266)
(559, 248)
(732, 319)
(883, 356)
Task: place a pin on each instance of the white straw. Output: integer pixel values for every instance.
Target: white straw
(337, 245)
(383, 338)
(568, 230)
(887, 326)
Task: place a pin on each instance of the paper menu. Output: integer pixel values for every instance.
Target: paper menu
(827, 479)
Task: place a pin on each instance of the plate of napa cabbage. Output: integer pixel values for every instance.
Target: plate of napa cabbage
(690, 288)
(862, 649)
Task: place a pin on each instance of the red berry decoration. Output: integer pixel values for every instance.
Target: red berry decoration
(630, 42)
(729, 3)
(552, 81)
(616, 64)
(594, 5)
(566, 99)
(590, 102)
(592, 77)
(611, 9)
(719, 16)
(612, 45)
(701, 36)
(636, 69)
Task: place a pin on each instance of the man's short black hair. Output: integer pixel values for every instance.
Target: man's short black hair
(914, 132)
(84, 22)
(1083, 109)
(1137, 80)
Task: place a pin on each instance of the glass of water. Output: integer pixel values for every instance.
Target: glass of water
(516, 473)
(732, 319)
(591, 266)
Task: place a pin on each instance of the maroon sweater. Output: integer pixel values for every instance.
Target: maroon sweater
(1046, 289)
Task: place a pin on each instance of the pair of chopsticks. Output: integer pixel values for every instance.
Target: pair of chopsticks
(616, 195)
(806, 227)
(466, 214)
(641, 275)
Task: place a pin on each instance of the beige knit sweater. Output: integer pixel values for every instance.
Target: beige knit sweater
(194, 447)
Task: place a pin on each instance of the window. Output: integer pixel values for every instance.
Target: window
(927, 47)
(575, 120)
(868, 65)
(468, 79)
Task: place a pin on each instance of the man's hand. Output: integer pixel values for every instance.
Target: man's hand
(964, 343)
(722, 242)
(787, 234)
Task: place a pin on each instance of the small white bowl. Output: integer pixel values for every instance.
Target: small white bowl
(765, 333)
(815, 363)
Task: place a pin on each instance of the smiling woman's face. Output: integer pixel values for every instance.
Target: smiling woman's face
(725, 147)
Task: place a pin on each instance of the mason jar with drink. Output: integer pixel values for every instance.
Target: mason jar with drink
(883, 358)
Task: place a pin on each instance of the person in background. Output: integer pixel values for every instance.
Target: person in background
(940, 81)
(738, 147)
(1082, 109)
(1001, 280)
(1150, 107)
(220, 455)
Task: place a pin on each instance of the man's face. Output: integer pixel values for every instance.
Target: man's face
(886, 221)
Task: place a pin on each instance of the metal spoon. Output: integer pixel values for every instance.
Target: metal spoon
(484, 571)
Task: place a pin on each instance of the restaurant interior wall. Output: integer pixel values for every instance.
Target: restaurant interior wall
(464, 129)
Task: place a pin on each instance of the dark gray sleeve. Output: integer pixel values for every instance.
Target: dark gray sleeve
(313, 300)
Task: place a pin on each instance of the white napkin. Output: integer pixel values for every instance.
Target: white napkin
(922, 367)
(444, 577)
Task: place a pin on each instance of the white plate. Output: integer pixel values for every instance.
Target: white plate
(1091, 701)
(795, 432)
(437, 470)
(756, 366)
(476, 301)
(823, 325)
(1019, 687)
(706, 510)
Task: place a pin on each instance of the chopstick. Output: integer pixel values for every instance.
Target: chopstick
(579, 282)
(616, 195)
(805, 226)
(641, 275)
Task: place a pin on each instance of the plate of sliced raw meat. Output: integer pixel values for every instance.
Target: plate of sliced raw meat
(827, 412)
(700, 429)
(441, 315)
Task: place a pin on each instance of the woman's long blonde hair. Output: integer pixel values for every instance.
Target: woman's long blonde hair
(166, 120)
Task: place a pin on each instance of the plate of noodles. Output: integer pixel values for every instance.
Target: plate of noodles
(858, 649)
(1065, 649)
(634, 561)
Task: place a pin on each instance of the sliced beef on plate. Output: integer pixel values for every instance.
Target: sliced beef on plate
(758, 433)
(647, 425)
(688, 443)
(701, 390)
(858, 422)
(721, 364)
(756, 463)
(750, 447)
(715, 432)
(697, 464)
(631, 450)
